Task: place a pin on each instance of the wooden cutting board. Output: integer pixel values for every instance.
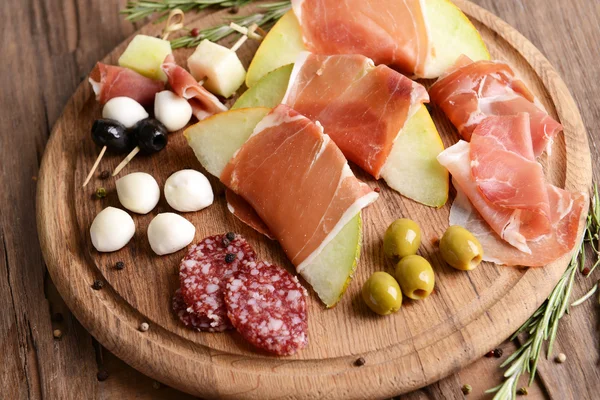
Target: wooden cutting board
(467, 315)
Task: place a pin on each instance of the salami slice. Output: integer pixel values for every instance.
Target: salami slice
(267, 305)
(194, 321)
(205, 271)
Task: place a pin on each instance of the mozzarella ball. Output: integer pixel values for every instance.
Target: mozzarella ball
(111, 230)
(173, 111)
(169, 232)
(138, 192)
(188, 190)
(125, 110)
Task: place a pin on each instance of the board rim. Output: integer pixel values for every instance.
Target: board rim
(133, 346)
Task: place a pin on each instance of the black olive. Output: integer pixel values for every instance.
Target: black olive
(112, 134)
(151, 135)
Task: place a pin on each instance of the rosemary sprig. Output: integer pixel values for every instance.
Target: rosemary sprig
(543, 324)
(270, 13)
(140, 9)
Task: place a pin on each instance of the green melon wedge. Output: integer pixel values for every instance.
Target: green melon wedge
(267, 92)
(216, 139)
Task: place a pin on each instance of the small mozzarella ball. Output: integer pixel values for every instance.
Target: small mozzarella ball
(169, 232)
(188, 190)
(111, 230)
(173, 111)
(138, 192)
(125, 110)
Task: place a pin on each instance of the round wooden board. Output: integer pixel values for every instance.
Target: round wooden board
(467, 315)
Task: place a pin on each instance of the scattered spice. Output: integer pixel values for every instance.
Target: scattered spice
(377, 190)
(156, 385)
(195, 32)
(119, 265)
(57, 333)
(561, 358)
(230, 257)
(586, 271)
(490, 354)
(360, 362)
(100, 193)
(234, 10)
(144, 327)
(230, 236)
(102, 375)
(57, 317)
(466, 389)
(498, 353)
(98, 284)
(104, 175)
(522, 391)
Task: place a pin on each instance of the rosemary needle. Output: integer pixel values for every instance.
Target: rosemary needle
(585, 296)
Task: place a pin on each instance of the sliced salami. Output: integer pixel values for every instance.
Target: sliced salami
(205, 271)
(267, 305)
(194, 321)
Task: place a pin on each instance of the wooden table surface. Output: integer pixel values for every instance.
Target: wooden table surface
(48, 48)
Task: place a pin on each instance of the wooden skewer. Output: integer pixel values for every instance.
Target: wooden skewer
(246, 33)
(95, 166)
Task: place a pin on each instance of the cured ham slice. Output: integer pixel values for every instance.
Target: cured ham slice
(506, 173)
(390, 32)
(568, 211)
(109, 81)
(476, 90)
(298, 182)
(204, 104)
(245, 213)
(361, 107)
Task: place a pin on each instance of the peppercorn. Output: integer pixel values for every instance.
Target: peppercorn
(586, 271)
(119, 265)
(522, 391)
(230, 236)
(230, 257)
(234, 10)
(360, 362)
(377, 190)
(98, 284)
(490, 354)
(57, 334)
(561, 358)
(498, 353)
(195, 32)
(102, 375)
(466, 389)
(100, 193)
(104, 175)
(144, 327)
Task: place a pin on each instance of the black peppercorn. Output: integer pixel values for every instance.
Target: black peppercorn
(104, 175)
(230, 257)
(119, 265)
(98, 284)
(498, 353)
(360, 362)
(234, 10)
(230, 236)
(102, 375)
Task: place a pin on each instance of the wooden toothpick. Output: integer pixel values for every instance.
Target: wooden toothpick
(95, 166)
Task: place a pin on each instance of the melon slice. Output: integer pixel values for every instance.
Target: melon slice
(451, 33)
(216, 139)
(268, 92)
(145, 55)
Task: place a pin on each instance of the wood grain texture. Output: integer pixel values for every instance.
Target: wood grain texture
(467, 315)
(58, 42)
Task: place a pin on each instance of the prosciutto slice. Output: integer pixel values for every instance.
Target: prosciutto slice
(476, 90)
(392, 32)
(361, 107)
(568, 211)
(109, 81)
(298, 182)
(204, 104)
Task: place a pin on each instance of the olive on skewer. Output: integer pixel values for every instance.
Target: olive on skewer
(151, 137)
(111, 135)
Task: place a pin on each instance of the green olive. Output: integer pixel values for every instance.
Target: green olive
(460, 248)
(415, 276)
(382, 293)
(402, 238)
